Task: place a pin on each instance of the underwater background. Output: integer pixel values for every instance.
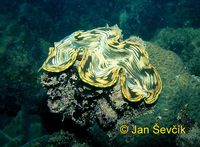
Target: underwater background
(171, 31)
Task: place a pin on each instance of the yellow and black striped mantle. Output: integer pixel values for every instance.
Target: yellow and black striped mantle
(105, 59)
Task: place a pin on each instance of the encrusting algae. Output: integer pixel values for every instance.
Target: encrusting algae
(104, 59)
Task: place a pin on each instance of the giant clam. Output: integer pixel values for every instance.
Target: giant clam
(104, 59)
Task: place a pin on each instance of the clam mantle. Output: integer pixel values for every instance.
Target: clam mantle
(104, 58)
